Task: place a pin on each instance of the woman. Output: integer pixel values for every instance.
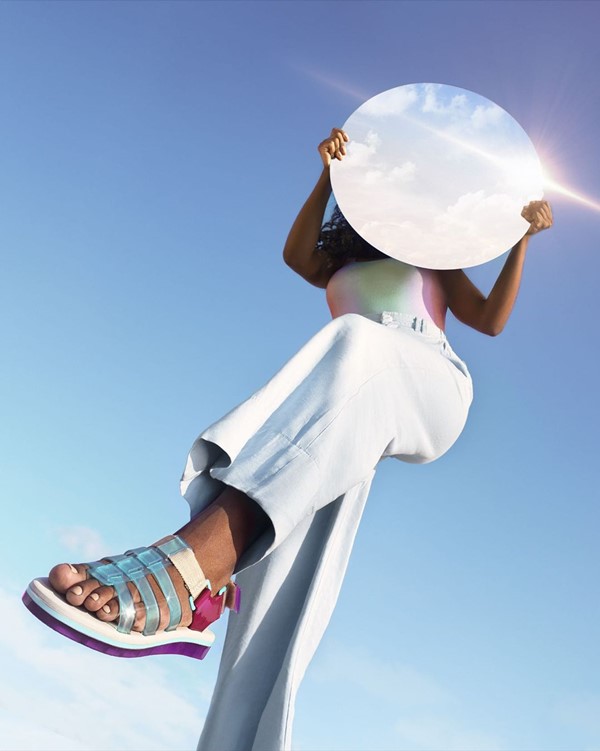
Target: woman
(278, 485)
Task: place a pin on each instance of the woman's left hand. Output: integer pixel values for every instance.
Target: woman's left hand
(539, 214)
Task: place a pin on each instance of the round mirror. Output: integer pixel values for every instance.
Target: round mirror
(436, 176)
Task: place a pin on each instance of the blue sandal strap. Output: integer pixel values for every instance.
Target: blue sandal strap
(137, 573)
(135, 565)
(156, 564)
(111, 576)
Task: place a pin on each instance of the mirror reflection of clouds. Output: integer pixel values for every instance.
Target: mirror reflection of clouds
(436, 176)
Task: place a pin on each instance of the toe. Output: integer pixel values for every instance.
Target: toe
(98, 598)
(65, 575)
(92, 601)
(76, 594)
(140, 617)
(109, 611)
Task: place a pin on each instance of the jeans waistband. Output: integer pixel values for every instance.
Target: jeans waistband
(395, 319)
(426, 329)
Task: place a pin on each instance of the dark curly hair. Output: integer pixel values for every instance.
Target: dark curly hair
(339, 242)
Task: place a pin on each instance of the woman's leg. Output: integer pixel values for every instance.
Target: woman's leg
(373, 392)
(218, 536)
(288, 598)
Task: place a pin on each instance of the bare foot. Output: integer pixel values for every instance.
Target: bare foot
(217, 536)
(83, 591)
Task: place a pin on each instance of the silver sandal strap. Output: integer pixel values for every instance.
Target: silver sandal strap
(112, 576)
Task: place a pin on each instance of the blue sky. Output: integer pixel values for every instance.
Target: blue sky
(154, 157)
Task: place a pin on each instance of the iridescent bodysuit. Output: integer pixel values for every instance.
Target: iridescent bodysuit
(369, 287)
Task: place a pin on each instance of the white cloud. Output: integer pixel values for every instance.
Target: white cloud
(379, 678)
(444, 189)
(399, 175)
(384, 235)
(64, 696)
(474, 213)
(432, 103)
(430, 732)
(373, 176)
(360, 154)
(391, 102)
(389, 680)
(86, 543)
(428, 715)
(373, 140)
(420, 229)
(403, 173)
(17, 734)
(483, 116)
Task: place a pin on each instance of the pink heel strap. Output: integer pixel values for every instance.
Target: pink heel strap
(208, 608)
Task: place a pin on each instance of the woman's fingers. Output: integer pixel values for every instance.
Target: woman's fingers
(544, 215)
(333, 147)
(546, 212)
(340, 136)
(339, 133)
(337, 139)
(539, 215)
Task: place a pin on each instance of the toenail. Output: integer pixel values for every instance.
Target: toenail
(77, 590)
(106, 608)
(95, 596)
(73, 569)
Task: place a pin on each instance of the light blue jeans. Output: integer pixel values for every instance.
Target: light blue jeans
(305, 448)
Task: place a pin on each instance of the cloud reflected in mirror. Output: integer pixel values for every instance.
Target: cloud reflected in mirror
(436, 176)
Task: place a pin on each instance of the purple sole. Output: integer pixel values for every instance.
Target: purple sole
(196, 651)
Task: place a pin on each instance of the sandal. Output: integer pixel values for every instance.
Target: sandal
(117, 638)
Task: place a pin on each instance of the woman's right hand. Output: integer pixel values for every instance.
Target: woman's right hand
(333, 147)
(539, 215)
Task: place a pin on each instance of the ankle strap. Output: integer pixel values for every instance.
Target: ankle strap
(182, 557)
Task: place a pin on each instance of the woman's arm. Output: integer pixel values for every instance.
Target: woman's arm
(489, 315)
(471, 307)
(299, 251)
